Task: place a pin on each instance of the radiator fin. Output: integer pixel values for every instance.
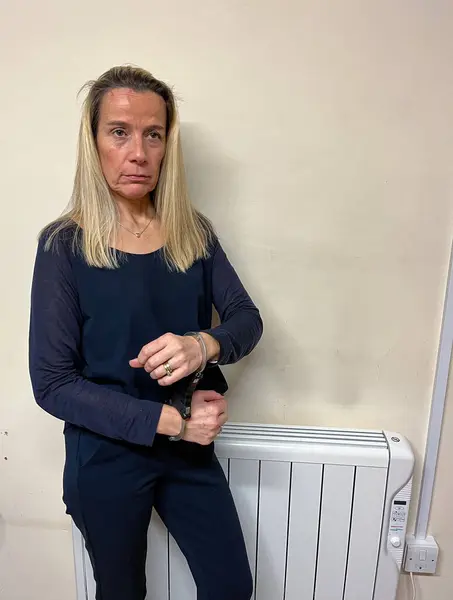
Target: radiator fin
(305, 498)
(225, 464)
(334, 532)
(157, 561)
(182, 584)
(272, 524)
(244, 484)
(366, 526)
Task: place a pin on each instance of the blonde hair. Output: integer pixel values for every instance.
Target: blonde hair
(93, 210)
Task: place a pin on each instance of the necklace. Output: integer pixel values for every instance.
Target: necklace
(138, 234)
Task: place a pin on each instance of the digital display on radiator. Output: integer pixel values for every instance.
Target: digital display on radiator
(400, 502)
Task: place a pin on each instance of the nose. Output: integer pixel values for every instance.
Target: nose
(138, 150)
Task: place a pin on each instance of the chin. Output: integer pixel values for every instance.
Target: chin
(135, 191)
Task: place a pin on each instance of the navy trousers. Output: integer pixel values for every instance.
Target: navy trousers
(110, 489)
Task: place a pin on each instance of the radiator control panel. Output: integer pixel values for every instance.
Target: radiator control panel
(398, 523)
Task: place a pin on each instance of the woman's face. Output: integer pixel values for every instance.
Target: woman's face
(131, 141)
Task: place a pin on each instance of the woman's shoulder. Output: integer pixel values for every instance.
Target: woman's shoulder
(59, 236)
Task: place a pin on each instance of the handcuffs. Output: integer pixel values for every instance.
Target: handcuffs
(181, 399)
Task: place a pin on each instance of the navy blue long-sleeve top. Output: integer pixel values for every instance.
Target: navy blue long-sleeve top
(86, 323)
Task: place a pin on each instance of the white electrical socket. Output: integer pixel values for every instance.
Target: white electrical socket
(421, 554)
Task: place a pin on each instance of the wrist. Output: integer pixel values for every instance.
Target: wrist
(170, 422)
(209, 346)
(212, 347)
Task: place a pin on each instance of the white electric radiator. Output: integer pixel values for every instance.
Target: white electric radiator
(324, 514)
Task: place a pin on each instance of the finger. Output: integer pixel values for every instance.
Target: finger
(173, 378)
(166, 355)
(223, 418)
(135, 364)
(174, 363)
(152, 348)
(217, 407)
(210, 395)
(203, 398)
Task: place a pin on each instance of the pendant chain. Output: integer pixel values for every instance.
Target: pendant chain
(138, 234)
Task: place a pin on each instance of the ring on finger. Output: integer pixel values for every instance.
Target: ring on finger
(168, 369)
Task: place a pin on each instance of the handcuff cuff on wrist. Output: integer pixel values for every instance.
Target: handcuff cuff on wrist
(182, 401)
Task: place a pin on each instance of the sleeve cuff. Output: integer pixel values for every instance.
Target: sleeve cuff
(225, 344)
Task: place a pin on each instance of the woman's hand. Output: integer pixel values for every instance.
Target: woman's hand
(181, 354)
(209, 414)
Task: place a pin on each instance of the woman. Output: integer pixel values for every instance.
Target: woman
(120, 335)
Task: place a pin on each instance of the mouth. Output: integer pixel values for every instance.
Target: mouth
(138, 178)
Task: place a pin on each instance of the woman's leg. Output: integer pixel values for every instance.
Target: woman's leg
(195, 503)
(108, 491)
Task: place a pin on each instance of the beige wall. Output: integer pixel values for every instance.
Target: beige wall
(318, 138)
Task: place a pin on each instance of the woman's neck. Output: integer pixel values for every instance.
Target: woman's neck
(139, 231)
(135, 211)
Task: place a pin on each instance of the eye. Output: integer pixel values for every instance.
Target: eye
(119, 132)
(155, 135)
